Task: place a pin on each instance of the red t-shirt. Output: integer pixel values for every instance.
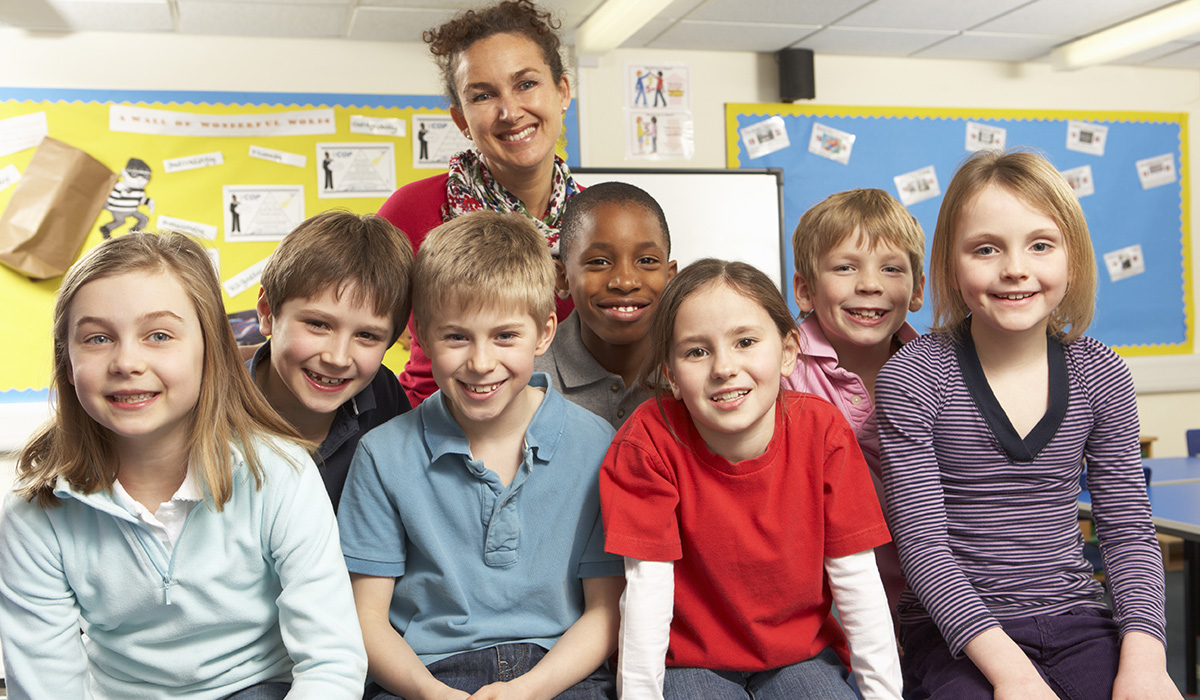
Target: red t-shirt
(748, 539)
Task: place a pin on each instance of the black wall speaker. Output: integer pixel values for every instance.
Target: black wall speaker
(796, 81)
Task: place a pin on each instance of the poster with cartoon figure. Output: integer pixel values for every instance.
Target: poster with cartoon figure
(665, 86)
(356, 169)
(127, 198)
(437, 139)
(660, 136)
(262, 212)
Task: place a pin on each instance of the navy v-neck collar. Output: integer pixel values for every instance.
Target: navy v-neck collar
(1018, 449)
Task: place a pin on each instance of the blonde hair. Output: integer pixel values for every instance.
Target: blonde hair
(230, 410)
(483, 259)
(874, 214)
(339, 250)
(1032, 179)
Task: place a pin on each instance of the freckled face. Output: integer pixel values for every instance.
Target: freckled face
(510, 104)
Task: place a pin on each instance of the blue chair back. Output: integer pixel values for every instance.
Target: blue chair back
(1193, 442)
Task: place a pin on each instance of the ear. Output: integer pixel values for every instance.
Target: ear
(564, 92)
(672, 270)
(546, 336)
(791, 351)
(803, 294)
(918, 297)
(670, 377)
(265, 318)
(416, 334)
(459, 120)
(562, 288)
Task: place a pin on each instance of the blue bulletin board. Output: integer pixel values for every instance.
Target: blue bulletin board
(1142, 314)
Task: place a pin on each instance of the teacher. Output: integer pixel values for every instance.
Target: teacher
(503, 76)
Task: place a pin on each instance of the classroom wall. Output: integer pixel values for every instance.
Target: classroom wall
(160, 62)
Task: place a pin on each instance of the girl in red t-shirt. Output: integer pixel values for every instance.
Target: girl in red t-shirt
(743, 513)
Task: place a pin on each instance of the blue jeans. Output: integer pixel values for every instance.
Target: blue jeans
(823, 677)
(262, 691)
(471, 670)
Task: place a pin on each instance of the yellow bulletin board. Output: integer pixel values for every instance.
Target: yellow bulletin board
(273, 145)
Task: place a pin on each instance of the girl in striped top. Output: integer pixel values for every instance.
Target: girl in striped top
(984, 427)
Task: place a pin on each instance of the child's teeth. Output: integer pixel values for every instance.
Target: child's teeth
(731, 395)
(481, 388)
(1015, 297)
(327, 381)
(869, 313)
(132, 398)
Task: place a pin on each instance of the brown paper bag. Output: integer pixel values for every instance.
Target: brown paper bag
(52, 210)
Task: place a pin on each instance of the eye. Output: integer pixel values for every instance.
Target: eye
(842, 268)
(986, 250)
(596, 262)
(743, 343)
(160, 336)
(479, 97)
(648, 261)
(317, 325)
(894, 269)
(507, 336)
(97, 339)
(368, 336)
(1041, 247)
(695, 353)
(455, 338)
(527, 84)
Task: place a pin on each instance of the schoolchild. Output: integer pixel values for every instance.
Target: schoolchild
(334, 297)
(168, 536)
(614, 260)
(471, 525)
(985, 426)
(859, 257)
(747, 510)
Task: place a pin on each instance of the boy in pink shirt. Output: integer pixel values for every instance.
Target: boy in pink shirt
(858, 258)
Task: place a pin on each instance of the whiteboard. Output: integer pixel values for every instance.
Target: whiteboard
(727, 214)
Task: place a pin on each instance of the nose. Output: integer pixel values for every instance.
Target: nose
(1014, 266)
(481, 361)
(868, 282)
(128, 359)
(510, 108)
(723, 364)
(337, 351)
(625, 277)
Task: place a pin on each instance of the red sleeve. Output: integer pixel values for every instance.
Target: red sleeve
(416, 208)
(853, 520)
(638, 499)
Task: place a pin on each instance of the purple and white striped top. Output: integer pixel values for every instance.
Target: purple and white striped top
(986, 521)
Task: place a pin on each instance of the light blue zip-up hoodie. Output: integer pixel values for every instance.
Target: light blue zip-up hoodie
(257, 592)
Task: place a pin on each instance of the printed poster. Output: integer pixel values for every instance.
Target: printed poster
(356, 169)
(435, 138)
(261, 212)
(981, 137)
(1086, 137)
(765, 137)
(831, 143)
(1080, 179)
(663, 86)
(917, 186)
(660, 136)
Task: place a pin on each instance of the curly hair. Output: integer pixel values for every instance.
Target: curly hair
(450, 40)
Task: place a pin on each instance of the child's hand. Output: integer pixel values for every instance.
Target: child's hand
(1030, 689)
(498, 691)
(453, 694)
(1142, 673)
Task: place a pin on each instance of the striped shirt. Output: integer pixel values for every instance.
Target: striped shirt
(986, 521)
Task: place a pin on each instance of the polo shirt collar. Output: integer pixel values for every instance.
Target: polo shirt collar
(813, 342)
(444, 436)
(575, 364)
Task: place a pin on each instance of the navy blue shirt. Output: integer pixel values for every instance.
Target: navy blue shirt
(376, 404)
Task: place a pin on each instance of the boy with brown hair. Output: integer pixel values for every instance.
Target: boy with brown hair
(859, 271)
(471, 525)
(334, 297)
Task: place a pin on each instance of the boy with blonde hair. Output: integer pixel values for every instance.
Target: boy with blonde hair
(334, 297)
(859, 271)
(471, 525)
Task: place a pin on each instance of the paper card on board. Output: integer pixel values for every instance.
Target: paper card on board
(244, 280)
(654, 86)
(1125, 262)
(831, 143)
(917, 186)
(261, 212)
(377, 126)
(1157, 171)
(164, 122)
(660, 136)
(22, 132)
(1086, 137)
(765, 137)
(191, 228)
(214, 257)
(9, 176)
(435, 138)
(1080, 179)
(981, 137)
(356, 169)
(274, 156)
(200, 160)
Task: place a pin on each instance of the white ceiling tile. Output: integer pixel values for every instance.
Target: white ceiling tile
(1073, 18)
(680, 9)
(954, 15)
(92, 15)
(646, 34)
(261, 19)
(803, 12)
(985, 46)
(871, 42)
(394, 24)
(730, 36)
(1187, 58)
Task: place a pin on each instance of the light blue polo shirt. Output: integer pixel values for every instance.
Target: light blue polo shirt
(477, 563)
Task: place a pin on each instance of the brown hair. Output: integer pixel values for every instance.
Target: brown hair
(341, 250)
(480, 260)
(1032, 179)
(874, 214)
(448, 41)
(230, 409)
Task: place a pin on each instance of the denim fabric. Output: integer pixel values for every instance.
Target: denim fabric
(1076, 653)
(262, 691)
(823, 677)
(472, 670)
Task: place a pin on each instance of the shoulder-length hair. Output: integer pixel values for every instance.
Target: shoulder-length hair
(1033, 180)
(230, 410)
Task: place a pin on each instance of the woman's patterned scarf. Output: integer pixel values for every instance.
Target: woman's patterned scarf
(471, 187)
